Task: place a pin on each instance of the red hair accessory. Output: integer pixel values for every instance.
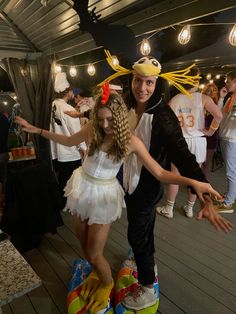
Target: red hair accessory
(105, 93)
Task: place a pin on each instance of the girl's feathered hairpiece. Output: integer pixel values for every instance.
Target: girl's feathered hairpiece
(149, 66)
(105, 93)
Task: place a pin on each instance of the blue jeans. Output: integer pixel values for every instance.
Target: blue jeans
(228, 150)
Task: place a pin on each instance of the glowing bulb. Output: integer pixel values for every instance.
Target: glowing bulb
(185, 35)
(114, 60)
(145, 48)
(211, 81)
(208, 76)
(91, 69)
(202, 86)
(73, 71)
(217, 76)
(57, 68)
(232, 36)
(14, 97)
(5, 103)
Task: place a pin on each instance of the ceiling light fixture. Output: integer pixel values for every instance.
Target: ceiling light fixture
(91, 69)
(145, 47)
(73, 72)
(185, 35)
(232, 36)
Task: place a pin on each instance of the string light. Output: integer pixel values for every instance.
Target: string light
(202, 86)
(145, 47)
(211, 81)
(73, 71)
(185, 35)
(232, 36)
(57, 68)
(91, 69)
(114, 60)
(217, 76)
(208, 76)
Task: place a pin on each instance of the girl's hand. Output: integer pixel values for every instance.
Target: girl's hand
(202, 188)
(26, 126)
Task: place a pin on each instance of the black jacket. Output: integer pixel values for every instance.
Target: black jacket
(167, 142)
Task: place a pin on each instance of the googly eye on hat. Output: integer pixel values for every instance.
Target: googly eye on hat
(147, 66)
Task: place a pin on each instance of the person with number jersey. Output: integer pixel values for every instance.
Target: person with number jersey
(190, 112)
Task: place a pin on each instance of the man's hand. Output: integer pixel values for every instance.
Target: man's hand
(208, 211)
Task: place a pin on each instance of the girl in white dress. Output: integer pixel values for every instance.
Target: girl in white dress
(94, 195)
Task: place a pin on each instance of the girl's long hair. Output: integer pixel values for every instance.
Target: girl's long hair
(121, 132)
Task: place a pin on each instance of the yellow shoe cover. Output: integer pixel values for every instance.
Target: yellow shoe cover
(99, 299)
(90, 285)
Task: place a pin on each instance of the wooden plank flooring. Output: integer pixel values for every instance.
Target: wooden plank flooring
(197, 264)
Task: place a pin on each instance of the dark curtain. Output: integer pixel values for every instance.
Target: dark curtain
(33, 84)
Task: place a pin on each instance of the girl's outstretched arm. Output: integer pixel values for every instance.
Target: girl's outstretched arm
(73, 140)
(137, 147)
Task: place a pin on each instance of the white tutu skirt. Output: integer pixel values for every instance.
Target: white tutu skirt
(98, 200)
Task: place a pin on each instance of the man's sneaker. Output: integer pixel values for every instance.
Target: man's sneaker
(164, 212)
(188, 212)
(223, 208)
(139, 299)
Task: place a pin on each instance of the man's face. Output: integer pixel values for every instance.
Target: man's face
(230, 84)
(143, 87)
(77, 98)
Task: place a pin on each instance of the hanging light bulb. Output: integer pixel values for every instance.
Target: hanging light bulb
(208, 76)
(145, 47)
(211, 81)
(91, 69)
(185, 35)
(232, 36)
(73, 71)
(217, 76)
(114, 60)
(57, 68)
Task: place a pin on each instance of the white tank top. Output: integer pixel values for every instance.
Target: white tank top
(190, 112)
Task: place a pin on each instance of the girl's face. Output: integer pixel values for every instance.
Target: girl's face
(143, 87)
(105, 120)
(212, 91)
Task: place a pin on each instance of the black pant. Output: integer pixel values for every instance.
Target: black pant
(64, 171)
(141, 215)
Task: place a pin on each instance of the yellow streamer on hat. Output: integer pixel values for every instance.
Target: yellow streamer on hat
(153, 68)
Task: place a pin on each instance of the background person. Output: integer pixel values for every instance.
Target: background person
(212, 141)
(66, 159)
(227, 135)
(190, 112)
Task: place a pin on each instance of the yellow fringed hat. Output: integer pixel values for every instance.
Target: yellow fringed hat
(149, 66)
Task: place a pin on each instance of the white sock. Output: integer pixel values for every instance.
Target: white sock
(189, 205)
(150, 290)
(169, 206)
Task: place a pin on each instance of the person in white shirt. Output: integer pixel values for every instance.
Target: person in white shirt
(65, 159)
(191, 115)
(228, 143)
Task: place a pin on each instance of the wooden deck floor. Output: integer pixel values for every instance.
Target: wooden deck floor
(197, 265)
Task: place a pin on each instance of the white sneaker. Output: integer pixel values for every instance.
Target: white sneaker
(188, 212)
(164, 212)
(139, 299)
